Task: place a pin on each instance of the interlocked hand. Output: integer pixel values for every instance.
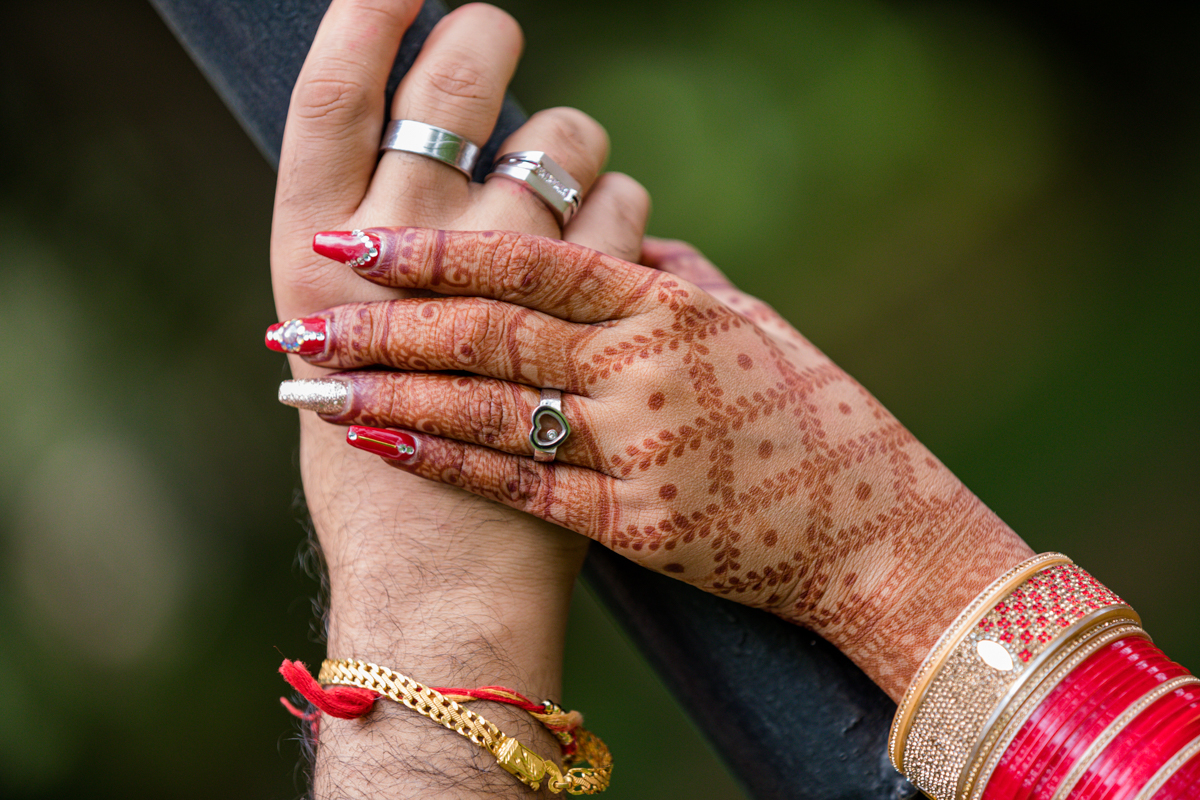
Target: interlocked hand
(710, 440)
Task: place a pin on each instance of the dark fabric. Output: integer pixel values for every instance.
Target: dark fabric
(791, 715)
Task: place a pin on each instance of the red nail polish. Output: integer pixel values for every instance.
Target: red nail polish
(304, 337)
(354, 248)
(389, 444)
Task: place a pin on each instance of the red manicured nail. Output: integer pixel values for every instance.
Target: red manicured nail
(305, 337)
(354, 248)
(389, 444)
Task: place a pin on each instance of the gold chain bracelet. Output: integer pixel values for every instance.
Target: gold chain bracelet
(527, 766)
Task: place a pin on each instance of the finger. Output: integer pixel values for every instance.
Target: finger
(573, 140)
(683, 260)
(576, 498)
(613, 220)
(486, 337)
(457, 83)
(565, 280)
(482, 411)
(331, 139)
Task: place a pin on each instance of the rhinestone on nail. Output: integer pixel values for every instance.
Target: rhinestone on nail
(371, 253)
(294, 334)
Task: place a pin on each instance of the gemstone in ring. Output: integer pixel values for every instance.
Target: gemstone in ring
(549, 426)
(550, 182)
(410, 136)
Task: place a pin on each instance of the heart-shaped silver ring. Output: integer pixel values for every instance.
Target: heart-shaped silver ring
(549, 427)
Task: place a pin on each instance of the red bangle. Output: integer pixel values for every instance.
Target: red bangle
(1114, 695)
(1166, 752)
(1067, 724)
(1059, 726)
(1017, 772)
(1076, 752)
(1136, 753)
(1090, 709)
(1184, 784)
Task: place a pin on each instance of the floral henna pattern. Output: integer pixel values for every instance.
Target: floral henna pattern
(814, 502)
(722, 448)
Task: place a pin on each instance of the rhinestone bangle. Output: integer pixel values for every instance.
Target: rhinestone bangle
(1028, 618)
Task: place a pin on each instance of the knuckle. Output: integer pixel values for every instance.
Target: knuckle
(488, 412)
(524, 483)
(470, 331)
(375, 324)
(390, 398)
(456, 468)
(623, 211)
(333, 97)
(459, 75)
(631, 200)
(511, 263)
(313, 285)
(385, 15)
(576, 133)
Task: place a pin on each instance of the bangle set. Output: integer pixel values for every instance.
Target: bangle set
(1047, 688)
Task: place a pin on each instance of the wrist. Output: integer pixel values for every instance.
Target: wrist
(408, 754)
(450, 637)
(894, 601)
(420, 571)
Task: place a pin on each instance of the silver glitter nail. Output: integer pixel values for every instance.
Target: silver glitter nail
(325, 395)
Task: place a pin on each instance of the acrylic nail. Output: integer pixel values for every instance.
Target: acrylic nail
(322, 395)
(355, 249)
(304, 337)
(381, 442)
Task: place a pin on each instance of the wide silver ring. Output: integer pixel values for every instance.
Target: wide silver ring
(551, 183)
(410, 136)
(548, 426)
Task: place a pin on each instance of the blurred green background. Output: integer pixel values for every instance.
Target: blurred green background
(987, 212)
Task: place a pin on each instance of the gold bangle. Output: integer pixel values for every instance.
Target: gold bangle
(997, 650)
(969, 617)
(526, 765)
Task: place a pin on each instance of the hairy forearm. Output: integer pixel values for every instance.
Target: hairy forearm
(416, 592)
(394, 752)
(399, 615)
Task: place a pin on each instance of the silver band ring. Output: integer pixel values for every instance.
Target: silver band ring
(550, 182)
(410, 136)
(549, 427)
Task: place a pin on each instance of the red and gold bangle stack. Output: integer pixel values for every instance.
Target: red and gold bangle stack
(1047, 688)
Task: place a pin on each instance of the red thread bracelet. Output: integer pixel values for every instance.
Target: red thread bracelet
(352, 702)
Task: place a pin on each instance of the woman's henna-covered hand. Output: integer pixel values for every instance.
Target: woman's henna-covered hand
(711, 441)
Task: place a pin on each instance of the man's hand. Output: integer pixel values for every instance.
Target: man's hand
(424, 578)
